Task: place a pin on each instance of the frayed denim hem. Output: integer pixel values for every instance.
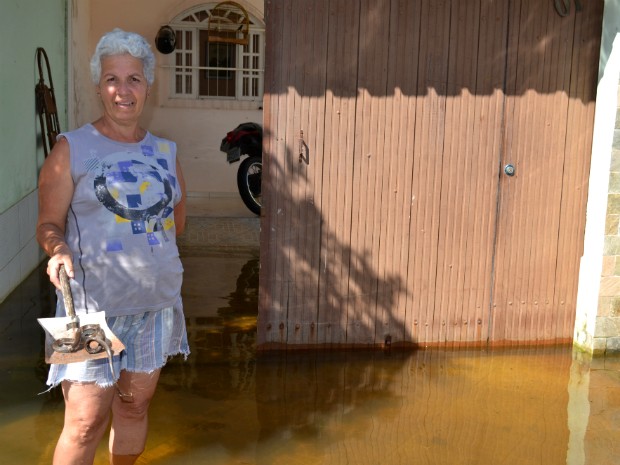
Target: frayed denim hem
(104, 384)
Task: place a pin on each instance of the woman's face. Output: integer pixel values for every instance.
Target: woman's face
(123, 87)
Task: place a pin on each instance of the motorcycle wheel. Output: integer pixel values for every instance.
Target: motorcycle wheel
(249, 183)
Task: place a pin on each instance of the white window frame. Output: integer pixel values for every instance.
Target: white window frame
(243, 75)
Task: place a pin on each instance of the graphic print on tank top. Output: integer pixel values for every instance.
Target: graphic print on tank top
(138, 189)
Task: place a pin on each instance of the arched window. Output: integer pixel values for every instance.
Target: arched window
(208, 69)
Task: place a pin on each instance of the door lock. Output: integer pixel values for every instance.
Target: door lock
(509, 170)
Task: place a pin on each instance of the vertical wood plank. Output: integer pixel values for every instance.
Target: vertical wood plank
(361, 308)
(532, 216)
(301, 311)
(410, 84)
(456, 192)
(426, 181)
(398, 160)
(585, 49)
(380, 151)
(555, 90)
(387, 311)
(270, 309)
(336, 196)
(483, 161)
(295, 181)
(316, 158)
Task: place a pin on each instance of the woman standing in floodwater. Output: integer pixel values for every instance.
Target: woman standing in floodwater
(111, 202)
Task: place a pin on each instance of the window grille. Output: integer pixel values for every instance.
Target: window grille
(204, 69)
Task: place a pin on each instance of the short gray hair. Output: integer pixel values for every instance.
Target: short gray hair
(119, 42)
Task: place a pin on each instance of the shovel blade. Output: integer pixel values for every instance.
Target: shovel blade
(56, 328)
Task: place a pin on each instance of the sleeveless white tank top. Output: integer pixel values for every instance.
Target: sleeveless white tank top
(120, 225)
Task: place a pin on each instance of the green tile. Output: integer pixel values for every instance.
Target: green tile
(613, 204)
(611, 245)
(614, 182)
(611, 225)
(615, 160)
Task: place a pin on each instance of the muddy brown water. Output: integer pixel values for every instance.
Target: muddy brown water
(226, 406)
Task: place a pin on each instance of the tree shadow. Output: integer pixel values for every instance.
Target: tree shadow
(316, 290)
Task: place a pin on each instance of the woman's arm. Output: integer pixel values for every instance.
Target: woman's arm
(55, 194)
(179, 208)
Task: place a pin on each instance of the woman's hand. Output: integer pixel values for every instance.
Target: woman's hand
(63, 257)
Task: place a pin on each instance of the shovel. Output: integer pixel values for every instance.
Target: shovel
(76, 339)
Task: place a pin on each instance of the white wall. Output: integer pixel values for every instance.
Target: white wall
(25, 25)
(197, 131)
(20, 253)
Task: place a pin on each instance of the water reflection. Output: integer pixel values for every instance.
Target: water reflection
(226, 405)
(427, 407)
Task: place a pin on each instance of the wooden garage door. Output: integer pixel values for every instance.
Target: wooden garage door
(389, 215)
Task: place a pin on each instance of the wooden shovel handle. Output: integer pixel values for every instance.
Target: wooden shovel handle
(66, 291)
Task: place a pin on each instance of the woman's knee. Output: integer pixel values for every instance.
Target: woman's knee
(85, 429)
(87, 411)
(141, 387)
(135, 410)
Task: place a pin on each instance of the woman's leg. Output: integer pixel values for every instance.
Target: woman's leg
(87, 415)
(130, 419)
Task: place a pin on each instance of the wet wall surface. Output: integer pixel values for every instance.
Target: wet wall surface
(228, 405)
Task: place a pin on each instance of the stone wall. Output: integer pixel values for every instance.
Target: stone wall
(607, 333)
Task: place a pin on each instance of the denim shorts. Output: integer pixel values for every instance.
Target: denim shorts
(150, 338)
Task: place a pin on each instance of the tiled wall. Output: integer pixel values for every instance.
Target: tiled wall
(607, 333)
(19, 251)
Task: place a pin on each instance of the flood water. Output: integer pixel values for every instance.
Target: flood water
(226, 406)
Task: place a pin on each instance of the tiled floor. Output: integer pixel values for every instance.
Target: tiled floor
(214, 206)
(219, 222)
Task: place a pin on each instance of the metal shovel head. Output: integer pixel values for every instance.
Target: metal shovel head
(56, 328)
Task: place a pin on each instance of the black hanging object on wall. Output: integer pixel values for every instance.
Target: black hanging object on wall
(165, 40)
(46, 103)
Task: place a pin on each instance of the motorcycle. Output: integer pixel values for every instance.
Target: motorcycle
(247, 140)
